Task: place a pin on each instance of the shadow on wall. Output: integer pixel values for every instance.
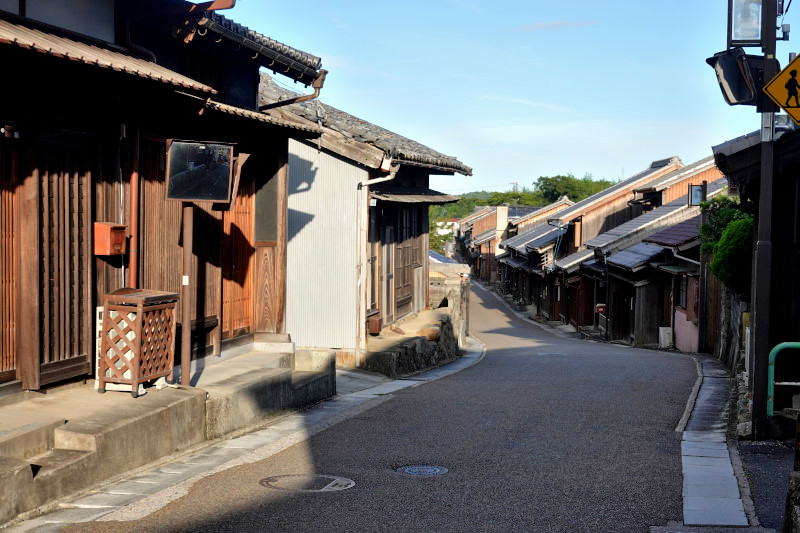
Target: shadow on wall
(302, 174)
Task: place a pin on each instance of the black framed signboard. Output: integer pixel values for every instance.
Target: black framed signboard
(199, 171)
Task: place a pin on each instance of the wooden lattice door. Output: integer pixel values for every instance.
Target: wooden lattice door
(64, 186)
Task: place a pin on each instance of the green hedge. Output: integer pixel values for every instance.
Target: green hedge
(732, 262)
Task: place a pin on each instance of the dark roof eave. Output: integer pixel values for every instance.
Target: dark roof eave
(443, 170)
(303, 67)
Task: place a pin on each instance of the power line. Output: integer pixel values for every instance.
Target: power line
(481, 188)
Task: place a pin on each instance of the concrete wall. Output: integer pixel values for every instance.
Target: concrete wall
(686, 332)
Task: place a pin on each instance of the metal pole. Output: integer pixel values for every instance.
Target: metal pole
(186, 294)
(701, 304)
(762, 273)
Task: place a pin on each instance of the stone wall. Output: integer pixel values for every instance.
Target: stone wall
(432, 345)
(449, 291)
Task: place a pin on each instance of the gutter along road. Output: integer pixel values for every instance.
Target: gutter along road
(546, 433)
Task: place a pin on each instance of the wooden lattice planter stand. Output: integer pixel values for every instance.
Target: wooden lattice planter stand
(138, 337)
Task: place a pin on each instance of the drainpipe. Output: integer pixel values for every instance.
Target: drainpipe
(675, 253)
(317, 84)
(133, 230)
(128, 43)
(387, 165)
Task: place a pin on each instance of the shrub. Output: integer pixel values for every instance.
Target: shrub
(732, 263)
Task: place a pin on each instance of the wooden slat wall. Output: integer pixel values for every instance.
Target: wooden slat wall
(9, 182)
(238, 264)
(65, 222)
(160, 248)
(160, 236)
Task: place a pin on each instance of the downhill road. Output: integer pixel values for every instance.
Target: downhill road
(546, 433)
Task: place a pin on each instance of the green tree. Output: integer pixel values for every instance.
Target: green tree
(554, 187)
(718, 212)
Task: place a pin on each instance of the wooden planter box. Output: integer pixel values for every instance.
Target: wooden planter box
(138, 338)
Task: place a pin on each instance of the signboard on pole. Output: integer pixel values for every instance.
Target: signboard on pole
(784, 89)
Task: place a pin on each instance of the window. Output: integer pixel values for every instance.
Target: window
(682, 292)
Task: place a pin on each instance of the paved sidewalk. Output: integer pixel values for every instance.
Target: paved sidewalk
(153, 487)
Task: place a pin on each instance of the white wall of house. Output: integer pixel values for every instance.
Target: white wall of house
(322, 279)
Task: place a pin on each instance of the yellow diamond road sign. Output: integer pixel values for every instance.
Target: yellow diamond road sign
(784, 89)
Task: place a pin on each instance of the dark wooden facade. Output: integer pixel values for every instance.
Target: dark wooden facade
(75, 136)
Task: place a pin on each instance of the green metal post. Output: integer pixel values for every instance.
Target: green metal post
(771, 372)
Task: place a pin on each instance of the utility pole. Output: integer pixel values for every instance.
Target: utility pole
(762, 272)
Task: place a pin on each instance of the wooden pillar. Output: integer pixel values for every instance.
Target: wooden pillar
(29, 337)
(282, 211)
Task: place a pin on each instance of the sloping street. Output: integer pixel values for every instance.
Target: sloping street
(546, 433)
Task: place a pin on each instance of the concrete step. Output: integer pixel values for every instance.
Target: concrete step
(59, 472)
(311, 387)
(33, 438)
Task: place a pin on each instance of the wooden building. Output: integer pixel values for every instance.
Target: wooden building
(566, 231)
(84, 140)
(648, 199)
(358, 226)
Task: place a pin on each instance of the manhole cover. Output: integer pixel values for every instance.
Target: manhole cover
(422, 470)
(307, 483)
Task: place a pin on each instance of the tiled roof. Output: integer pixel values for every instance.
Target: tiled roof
(260, 117)
(401, 148)
(639, 227)
(546, 239)
(405, 195)
(103, 58)
(271, 54)
(487, 235)
(518, 242)
(635, 257)
(439, 258)
(678, 234)
(567, 263)
(665, 181)
(581, 207)
(561, 201)
(517, 211)
(479, 213)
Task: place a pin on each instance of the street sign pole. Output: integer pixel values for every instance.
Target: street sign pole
(763, 256)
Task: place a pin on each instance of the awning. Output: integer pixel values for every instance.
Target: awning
(254, 115)
(677, 269)
(486, 236)
(72, 50)
(411, 196)
(515, 262)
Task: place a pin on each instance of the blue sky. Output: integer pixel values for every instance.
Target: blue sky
(522, 89)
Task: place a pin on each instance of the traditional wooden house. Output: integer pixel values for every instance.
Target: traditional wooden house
(569, 228)
(488, 230)
(358, 226)
(681, 266)
(615, 272)
(582, 292)
(84, 147)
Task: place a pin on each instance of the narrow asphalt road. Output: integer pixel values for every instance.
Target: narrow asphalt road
(545, 434)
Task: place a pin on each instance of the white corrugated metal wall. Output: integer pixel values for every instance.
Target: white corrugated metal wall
(322, 255)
